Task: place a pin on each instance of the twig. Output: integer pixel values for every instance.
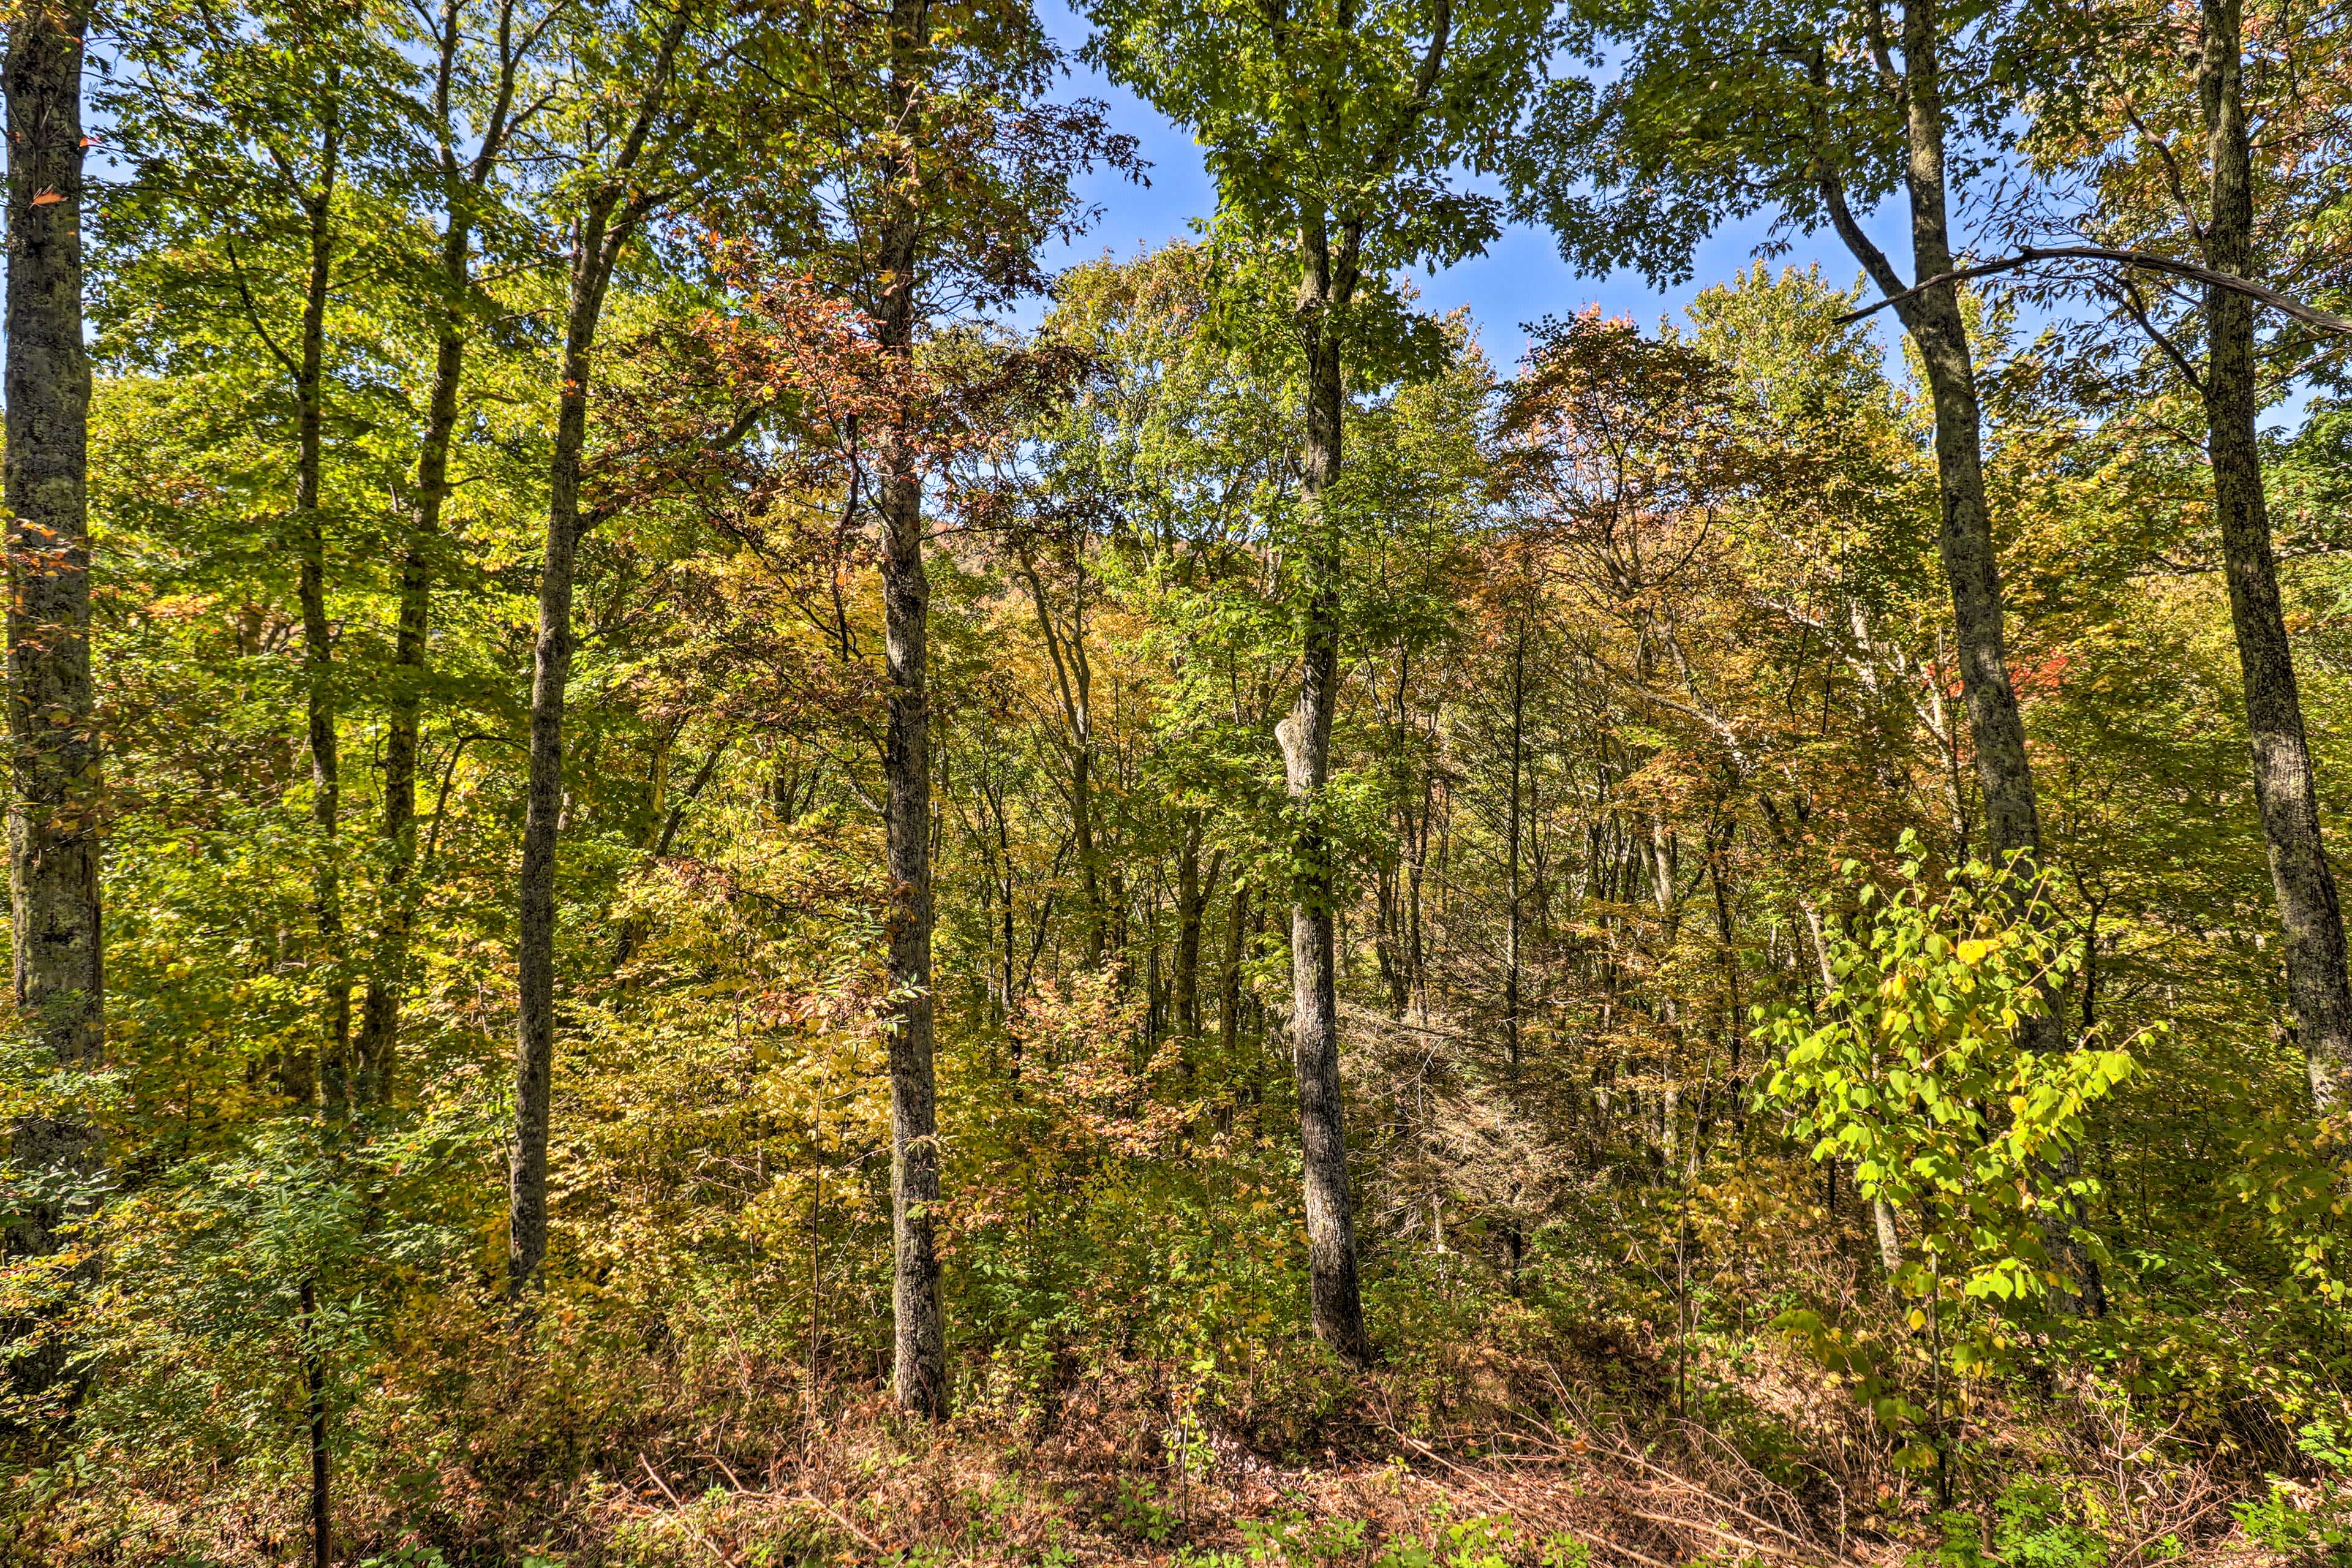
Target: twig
(841, 1519)
(1713, 1497)
(1478, 1481)
(1617, 1449)
(1719, 1533)
(2028, 255)
(683, 1517)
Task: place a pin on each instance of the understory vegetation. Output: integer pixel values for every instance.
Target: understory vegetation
(738, 878)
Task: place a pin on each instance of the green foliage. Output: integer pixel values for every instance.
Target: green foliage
(1916, 1068)
(1477, 1541)
(2303, 1525)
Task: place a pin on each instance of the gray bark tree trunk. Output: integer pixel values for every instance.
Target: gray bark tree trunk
(2319, 991)
(606, 225)
(53, 810)
(1964, 539)
(334, 1062)
(377, 1051)
(918, 1358)
(1335, 1296)
(918, 1362)
(543, 796)
(919, 1366)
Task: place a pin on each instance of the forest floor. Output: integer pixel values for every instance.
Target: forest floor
(1107, 1482)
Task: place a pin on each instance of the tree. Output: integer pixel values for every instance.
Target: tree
(1727, 107)
(472, 114)
(279, 114)
(1922, 1024)
(633, 152)
(55, 803)
(2319, 986)
(2120, 111)
(1333, 133)
(935, 175)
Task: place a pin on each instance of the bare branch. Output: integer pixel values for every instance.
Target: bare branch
(2028, 255)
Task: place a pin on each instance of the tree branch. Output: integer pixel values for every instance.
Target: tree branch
(2027, 255)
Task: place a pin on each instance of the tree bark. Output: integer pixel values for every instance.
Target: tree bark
(1511, 947)
(53, 810)
(380, 1009)
(918, 1377)
(606, 225)
(314, 1388)
(1971, 564)
(2319, 991)
(387, 975)
(543, 797)
(462, 184)
(1229, 980)
(1335, 1296)
(334, 1063)
(1193, 891)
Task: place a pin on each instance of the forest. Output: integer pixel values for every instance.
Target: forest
(725, 853)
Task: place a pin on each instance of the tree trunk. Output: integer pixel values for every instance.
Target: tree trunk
(1972, 564)
(2318, 989)
(1229, 987)
(54, 815)
(595, 251)
(543, 799)
(1511, 946)
(918, 1378)
(314, 1388)
(379, 1041)
(1335, 1300)
(380, 1012)
(919, 1359)
(1193, 891)
(318, 649)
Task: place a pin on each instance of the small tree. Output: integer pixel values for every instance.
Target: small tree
(1917, 1065)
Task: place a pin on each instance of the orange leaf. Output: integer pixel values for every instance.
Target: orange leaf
(45, 197)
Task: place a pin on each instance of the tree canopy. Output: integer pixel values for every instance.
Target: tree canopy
(716, 854)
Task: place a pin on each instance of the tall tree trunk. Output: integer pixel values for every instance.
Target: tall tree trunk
(317, 647)
(1229, 985)
(387, 975)
(462, 184)
(606, 225)
(918, 1378)
(1971, 564)
(1335, 1297)
(919, 1356)
(2318, 989)
(53, 810)
(543, 797)
(1511, 953)
(314, 1389)
(380, 1010)
(1193, 891)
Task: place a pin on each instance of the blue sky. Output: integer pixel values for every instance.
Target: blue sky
(1520, 279)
